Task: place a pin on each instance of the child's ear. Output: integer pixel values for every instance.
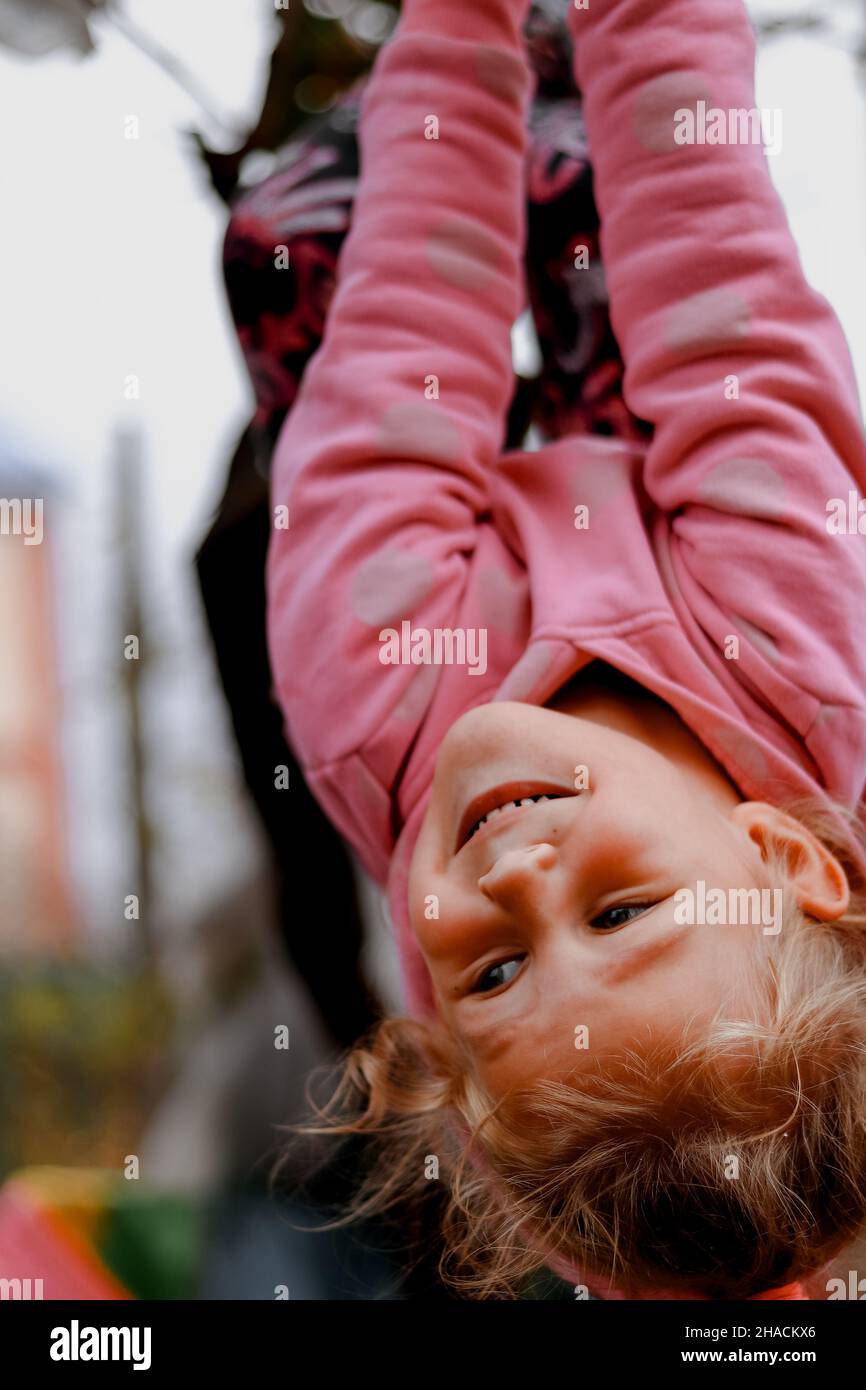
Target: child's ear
(819, 880)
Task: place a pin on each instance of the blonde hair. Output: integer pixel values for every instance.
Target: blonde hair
(684, 1173)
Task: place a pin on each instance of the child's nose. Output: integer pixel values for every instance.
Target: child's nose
(517, 879)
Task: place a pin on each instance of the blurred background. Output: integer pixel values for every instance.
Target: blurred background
(165, 986)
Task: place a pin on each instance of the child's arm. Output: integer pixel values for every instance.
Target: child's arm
(741, 368)
(383, 460)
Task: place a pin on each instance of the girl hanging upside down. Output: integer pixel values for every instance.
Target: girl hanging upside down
(646, 1097)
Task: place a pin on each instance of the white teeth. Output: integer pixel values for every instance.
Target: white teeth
(508, 806)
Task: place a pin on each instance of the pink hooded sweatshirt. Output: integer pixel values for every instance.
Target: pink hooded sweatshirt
(403, 507)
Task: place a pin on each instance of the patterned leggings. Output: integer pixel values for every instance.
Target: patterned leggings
(305, 204)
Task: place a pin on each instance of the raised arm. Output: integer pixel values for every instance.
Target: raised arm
(741, 368)
(384, 460)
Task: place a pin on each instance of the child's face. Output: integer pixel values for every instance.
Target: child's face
(559, 917)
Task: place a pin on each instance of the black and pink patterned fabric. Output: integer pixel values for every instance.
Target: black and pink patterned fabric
(305, 204)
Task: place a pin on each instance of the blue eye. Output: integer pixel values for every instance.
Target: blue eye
(619, 916)
(497, 975)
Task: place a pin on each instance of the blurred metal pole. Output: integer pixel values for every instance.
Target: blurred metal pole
(128, 466)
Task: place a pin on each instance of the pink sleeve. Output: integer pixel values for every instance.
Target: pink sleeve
(383, 462)
(739, 365)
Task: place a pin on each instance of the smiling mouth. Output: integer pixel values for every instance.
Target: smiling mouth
(514, 797)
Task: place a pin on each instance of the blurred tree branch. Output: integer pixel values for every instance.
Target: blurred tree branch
(312, 50)
(36, 28)
(323, 46)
